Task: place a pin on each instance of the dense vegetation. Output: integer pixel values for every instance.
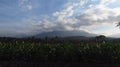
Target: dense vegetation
(92, 52)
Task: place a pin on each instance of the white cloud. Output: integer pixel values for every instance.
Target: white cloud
(29, 7)
(101, 13)
(95, 16)
(107, 1)
(25, 4)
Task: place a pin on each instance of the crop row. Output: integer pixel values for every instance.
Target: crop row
(67, 52)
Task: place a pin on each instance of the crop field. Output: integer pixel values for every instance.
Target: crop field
(104, 52)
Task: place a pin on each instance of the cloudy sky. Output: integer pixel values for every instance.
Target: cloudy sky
(29, 17)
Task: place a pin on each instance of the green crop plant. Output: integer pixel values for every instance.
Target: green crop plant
(67, 52)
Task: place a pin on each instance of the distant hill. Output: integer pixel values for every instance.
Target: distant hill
(64, 34)
(115, 35)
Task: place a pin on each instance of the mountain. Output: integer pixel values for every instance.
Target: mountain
(115, 35)
(64, 34)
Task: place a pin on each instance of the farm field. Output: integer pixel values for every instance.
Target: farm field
(59, 52)
(107, 52)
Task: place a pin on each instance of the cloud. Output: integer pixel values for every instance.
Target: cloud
(25, 4)
(29, 7)
(96, 15)
(107, 1)
(100, 14)
(69, 18)
(75, 15)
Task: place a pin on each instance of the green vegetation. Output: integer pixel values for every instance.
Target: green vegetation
(67, 52)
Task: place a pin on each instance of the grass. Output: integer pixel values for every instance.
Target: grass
(63, 52)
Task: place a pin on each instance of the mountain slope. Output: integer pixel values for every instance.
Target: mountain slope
(115, 35)
(64, 34)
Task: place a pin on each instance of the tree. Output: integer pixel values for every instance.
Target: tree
(101, 38)
(46, 39)
(118, 24)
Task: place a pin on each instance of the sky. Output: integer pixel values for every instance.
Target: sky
(30, 17)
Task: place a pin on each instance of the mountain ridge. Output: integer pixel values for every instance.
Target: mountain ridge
(65, 34)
